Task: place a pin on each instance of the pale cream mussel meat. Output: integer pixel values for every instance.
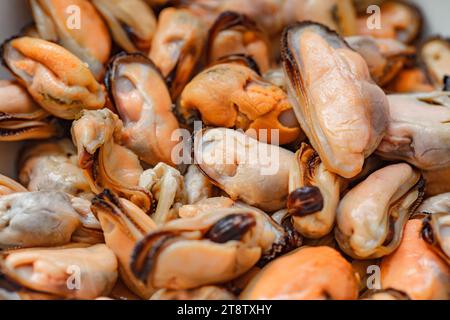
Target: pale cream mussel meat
(143, 103)
(314, 194)
(385, 294)
(333, 96)
(436, 224)
(372, 215)
(106, 163)
(46, 218)
(132, 23)
(56, 79)
(85, 35)
(246, 169)
(206, 205)
(223, 243)
(435, 56)
(177, 46)
(46, 269)
(418, 130)
(233, 95)
(415, 268)
(385, 57)
(201, 293)
(235, 33)
(52, 166)
(30, 219)
(308, 273)
(197, 185)
(166, 184)
(21, 118)
(123, 224)
(401, 20)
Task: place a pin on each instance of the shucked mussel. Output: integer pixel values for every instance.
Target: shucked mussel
(21, 118)
(143, 103)
(333, 96)
(57, 80)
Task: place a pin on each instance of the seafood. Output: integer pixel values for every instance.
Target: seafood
(31, 219)
(52, 166)
(418, 130)
(223, 243)
(106, 163)
(338, 15)
(400, 20)
(177, 45)
(233, 95)
(144, 105)
(205, 206)
(333, 96)
(371, 216)
(304, 274)
(87, 37)
(202, 293)
(314, 194)
(21, 118)
(56, 79)
(45, 270)
(385, 294)
(166, 184)
(435, 54)
(438, 181)
(198, 187)
(436, 224)
(246, 169)
(8, 186)
(410, 80)
(132, 23)
(235, 33)
(385, 57)
(414, 268)
(123, 224)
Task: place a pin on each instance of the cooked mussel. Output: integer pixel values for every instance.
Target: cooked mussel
(418, 130)
(74, 271)
(21, 118)
(416, 269)
(8, 186)
(385, 294)
(385, 57)
(410, 80)
(436, 224)
(333, 96)
(306, 273)
(372, 215)
(435, 55)
(143, 102)
(223, 244)
(233, 95)
(177, 46)
(400, 20)
(132, 23)
(314, 194)
(123, 224)
(202, 293)
(31, 219)
(52, 166)
(166, 184)
(246, 169)
(57, 80)
(86, 36)
(235, 33)
(338, 15)
(197, 186)
(106, 163)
